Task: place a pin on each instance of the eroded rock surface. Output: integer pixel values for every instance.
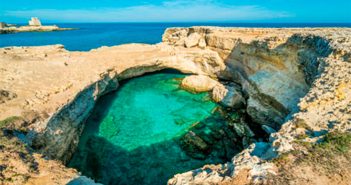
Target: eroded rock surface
(277, 69)
(287, 77)
(6, 96)
(198, 83)
(228, 95)
(39, 28)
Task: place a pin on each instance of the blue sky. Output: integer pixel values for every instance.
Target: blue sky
(290, 11)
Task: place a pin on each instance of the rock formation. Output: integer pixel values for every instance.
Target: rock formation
(198, 83)
(34, 25)
(228, 95)
(281, 77)
(275, 70)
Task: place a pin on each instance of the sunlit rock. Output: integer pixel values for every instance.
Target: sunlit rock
(198, 83)
(192, 40)
(228, 95)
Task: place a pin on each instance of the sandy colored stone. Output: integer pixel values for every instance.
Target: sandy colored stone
(267, 63)
(198, 83)
(228, 96)
(192, 40)
(13, 29)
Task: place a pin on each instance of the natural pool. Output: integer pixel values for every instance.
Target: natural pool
(132, 135)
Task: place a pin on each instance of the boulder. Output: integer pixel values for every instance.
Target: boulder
(192, 40)
(202, 43)
(194, 145)
(198, 83)
(243, 129)
(264, 114)
(228, 96)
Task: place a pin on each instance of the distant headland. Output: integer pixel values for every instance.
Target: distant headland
(34, 25)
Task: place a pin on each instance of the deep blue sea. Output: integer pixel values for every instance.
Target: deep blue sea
(93, 35)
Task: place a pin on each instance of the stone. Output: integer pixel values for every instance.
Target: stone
(194, 145)
(202, 43)
(242, 129)
(192, 40)
(228, 95)
(34, 22)
(198, 83)
(263, 114)
(6, 96)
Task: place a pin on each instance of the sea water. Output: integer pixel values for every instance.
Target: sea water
(130, 138)
(88, 36)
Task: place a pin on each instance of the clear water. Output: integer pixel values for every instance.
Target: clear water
(131, 136)
(94, 35)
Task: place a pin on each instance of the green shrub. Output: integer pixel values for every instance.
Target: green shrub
(9, 120)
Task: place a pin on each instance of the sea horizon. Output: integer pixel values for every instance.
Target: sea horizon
(96, 35)
(220, 23)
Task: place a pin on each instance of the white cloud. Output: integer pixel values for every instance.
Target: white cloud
(169, 11)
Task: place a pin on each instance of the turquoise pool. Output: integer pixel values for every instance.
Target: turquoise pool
(131, 136)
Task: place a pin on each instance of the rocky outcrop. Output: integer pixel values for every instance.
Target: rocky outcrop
(34, 25)
(274, 72)
(198, 83)
(277, 69)
(228, 95)
(65, 103)
(70, 101)
(225, 133)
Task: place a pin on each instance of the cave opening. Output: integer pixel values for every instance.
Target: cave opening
(150, 129)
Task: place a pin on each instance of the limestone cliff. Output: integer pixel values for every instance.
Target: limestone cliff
(285, 76)
(278, 69)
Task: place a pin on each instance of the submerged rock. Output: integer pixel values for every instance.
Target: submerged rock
(221, 135)
(195, 146)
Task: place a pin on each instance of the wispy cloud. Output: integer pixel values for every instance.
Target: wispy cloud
(169, 11)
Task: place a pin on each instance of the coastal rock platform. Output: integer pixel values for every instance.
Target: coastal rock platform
(13, 29)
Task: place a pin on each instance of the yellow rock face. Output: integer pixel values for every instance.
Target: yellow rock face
(198, 83)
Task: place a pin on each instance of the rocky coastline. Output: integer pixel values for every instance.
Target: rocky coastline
(281, 78)
(32, 29)
(33, 26)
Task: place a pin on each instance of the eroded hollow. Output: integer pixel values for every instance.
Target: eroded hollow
(150, 129)
(214, 134)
